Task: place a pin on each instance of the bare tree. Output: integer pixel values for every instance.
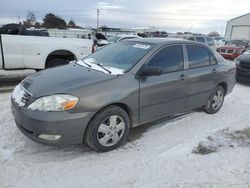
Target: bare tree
(30, 17)
(213, 34)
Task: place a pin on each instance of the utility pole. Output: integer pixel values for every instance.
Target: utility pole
(19, 20)
(97, 22)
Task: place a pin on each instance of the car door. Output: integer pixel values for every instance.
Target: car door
(166, 93)
(201, 75)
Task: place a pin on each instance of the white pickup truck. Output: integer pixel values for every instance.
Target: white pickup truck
(38, 52)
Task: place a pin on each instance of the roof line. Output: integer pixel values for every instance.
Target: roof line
(239, 16)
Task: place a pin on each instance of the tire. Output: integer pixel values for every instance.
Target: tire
(56, 62)
(108, 129)
(215, 100)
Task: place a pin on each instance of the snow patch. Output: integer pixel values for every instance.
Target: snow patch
(223, 139)
(18, 94)
(159, 156)
(6, 154)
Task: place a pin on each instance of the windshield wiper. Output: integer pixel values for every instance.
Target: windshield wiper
(87, 64)
(100, 65)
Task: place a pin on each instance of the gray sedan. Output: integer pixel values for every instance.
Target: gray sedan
(124, 85)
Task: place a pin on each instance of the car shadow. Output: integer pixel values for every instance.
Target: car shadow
(137, 132)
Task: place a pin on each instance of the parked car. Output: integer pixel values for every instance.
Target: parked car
(99, 41)
(17, 29)
(116, 38)
(99, 44)
(203, 39)
(126, 84)
(243, 67)
(23, 49)
(219, 42)
(233, 48)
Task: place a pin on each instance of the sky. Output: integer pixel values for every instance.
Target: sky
(170, 15)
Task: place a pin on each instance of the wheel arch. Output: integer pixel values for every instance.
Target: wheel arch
(123, 106)
(61, 53)
(224, 85)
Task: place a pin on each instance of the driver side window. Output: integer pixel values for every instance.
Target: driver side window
(168, 59)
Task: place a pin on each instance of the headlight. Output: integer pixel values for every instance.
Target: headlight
(54, 103)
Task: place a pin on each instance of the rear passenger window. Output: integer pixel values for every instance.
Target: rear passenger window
(169, 59)
(212, 60)
(197, 56)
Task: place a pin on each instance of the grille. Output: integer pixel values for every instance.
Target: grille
(230, 51)
(226, 51)
(223, 50)
(26, 97)
(20, 95)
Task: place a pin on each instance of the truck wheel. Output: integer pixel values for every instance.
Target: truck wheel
(108, 129)
(215, 101)
(56, 62)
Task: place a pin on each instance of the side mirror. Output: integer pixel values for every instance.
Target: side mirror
(150, 71)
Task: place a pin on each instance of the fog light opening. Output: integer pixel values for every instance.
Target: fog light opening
(49, 137)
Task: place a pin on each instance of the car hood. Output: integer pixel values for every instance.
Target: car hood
(63, 79)
(244, 57)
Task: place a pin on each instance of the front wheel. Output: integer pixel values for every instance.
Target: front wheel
(108, 129)
(215, 101)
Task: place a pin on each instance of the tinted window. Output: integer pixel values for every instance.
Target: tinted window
(210, 41)
(200, 39)
(197, 56)
(169, 59)
(238, 43)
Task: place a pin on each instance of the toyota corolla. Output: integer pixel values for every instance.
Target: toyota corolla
(126, 84)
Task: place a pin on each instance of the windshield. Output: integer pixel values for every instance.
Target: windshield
(121, 55)
(238, 43)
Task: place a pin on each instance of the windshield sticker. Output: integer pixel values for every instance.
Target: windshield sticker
(145, 47)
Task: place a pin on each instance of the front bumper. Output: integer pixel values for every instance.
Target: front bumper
(71, 126)
(230, 56)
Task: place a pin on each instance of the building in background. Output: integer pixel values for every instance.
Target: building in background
(239, 27)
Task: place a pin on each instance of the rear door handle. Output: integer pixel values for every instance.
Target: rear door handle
(214, 71)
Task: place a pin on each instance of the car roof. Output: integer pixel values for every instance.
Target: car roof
(164, 41)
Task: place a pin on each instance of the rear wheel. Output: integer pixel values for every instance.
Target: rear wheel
(56, 62)
(215, 101)
(108, 129)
